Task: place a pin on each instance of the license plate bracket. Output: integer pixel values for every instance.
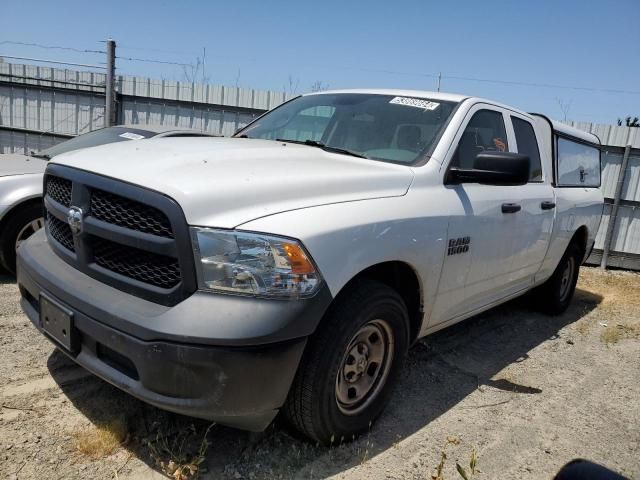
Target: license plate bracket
(57, 321)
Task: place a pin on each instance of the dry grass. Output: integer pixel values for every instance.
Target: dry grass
(585, 325)
(101, 440)
(614, 333)
(620, 292)
(617, 287)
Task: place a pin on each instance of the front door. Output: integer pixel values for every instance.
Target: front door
(498, 235)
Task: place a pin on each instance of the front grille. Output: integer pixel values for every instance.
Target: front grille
(59, 189)
(150, 268)
(139, 246)
(61, 232)
(130, 214)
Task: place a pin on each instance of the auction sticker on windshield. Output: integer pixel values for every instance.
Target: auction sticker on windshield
(415, 102)
(132, 136)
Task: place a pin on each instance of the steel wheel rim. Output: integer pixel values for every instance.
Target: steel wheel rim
(29, 229)
(364, 367)
(565, 279)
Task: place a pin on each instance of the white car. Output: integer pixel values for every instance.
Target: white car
(290, 268)
(21, 181)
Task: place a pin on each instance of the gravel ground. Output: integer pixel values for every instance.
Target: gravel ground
(526, 391)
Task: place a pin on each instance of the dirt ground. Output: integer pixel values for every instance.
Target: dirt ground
(524, 391)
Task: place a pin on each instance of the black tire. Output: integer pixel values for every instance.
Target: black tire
(366, 311)
(554, 296)
(17, 223)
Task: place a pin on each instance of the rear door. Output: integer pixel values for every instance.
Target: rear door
(537, 201)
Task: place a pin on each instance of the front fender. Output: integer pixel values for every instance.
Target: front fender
(16, 189)
(345, 239)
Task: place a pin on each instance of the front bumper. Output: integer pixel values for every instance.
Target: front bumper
(225, 358)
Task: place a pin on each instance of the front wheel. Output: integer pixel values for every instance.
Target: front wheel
(20, 226)
(351, 364)
(553, 296)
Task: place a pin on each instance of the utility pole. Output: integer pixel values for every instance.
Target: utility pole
(110, 86)
(439, 79)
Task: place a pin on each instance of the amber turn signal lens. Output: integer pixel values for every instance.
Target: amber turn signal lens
(299, 262)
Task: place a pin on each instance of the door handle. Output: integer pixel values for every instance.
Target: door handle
(510, 208)
(547, 205)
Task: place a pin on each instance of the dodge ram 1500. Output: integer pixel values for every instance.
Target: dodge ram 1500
(291, 267)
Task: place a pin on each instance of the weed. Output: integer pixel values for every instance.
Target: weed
(438, 474)
(172, 454)
(472, 466)
(101, 440)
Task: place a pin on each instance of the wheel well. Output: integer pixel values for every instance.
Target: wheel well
(18, 208)
(580, 238)
(404, 280)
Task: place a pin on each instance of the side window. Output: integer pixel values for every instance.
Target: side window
(484, 132)
(528, 145)
(577, 164)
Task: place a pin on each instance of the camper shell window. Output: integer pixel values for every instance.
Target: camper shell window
(577, 163)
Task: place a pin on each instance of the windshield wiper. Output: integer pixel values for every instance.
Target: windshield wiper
(39, 155)
(314, 143)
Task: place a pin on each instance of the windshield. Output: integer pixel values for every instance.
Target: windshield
(379, 127)
(95, 138)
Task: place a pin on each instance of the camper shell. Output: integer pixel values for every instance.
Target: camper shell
(585, 170)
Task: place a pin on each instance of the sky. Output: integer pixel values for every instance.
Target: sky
(579, 58)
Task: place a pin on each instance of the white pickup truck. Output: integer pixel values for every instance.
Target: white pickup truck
(291, 267)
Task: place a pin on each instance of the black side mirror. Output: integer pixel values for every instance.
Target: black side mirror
(493, 168)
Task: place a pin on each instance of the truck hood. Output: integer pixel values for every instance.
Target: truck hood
(224, 182)
(15, 164)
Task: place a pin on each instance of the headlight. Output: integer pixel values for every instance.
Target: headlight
(251, 263)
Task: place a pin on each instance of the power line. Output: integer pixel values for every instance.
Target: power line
(374, 70)
(542, 85)
(51, 47)
(394, 72)
(79, 50)
(155, 50)
(496, 81)
(148, 60)
(52, 61)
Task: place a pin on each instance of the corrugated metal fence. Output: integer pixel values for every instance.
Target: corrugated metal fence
(40, 106)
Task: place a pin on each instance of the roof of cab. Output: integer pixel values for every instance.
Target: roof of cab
(445, 97)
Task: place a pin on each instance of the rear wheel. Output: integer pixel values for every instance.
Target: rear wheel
(22, 223)
(351, 364)
(553, 296)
